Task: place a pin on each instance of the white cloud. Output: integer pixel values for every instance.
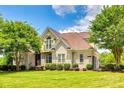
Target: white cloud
(61, 10)
(84, 22)
(103, 50)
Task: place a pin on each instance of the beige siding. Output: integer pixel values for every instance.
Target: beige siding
(86, 54)
(53, 38)
(61, 50)
(27, 59)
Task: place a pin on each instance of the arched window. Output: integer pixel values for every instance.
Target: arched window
(48, 42)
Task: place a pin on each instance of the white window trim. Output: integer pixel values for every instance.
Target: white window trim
(61, 58)
(48, 43)
(81, 58)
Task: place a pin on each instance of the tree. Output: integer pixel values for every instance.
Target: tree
(20, 37)
(107, 30)
(106, 58)
(1, 34)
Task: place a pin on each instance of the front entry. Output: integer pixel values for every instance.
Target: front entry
(49, 58)
(94, 62)
(37, 59)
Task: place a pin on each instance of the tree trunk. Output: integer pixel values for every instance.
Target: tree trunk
(17, 61)
(117, 52)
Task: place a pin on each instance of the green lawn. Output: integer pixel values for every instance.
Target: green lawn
(46, 79)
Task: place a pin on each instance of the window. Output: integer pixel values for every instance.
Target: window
(49, 58)
(48, 43)
(61, 57)
(81, 58)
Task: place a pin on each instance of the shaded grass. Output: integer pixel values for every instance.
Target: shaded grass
(60, 79)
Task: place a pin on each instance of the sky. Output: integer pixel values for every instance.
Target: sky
(62, 18)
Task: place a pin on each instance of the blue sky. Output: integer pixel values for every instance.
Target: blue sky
(61, 18)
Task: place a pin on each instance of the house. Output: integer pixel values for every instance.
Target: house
(72, 47)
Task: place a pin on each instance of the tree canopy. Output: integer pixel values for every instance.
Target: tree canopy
(107, 30)
(19, 37)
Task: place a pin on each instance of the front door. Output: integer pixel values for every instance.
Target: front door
(94, 62)
(37, 59)
(49, 58)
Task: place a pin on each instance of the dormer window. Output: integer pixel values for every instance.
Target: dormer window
(48, 43)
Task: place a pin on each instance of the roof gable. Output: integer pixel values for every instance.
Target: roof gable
(73, 40)
(49, 30)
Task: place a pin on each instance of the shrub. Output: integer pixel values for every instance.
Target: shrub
(53, 66)
(75, 65)
(121, 66)
(23, 67)
(32, 68)
(59, 66)
(11, 68)
(67, 66)
(89, 66)
(110, 67)
(117, 68)
(47, 66)
(0, 67)
(4, 67)
(103, 68)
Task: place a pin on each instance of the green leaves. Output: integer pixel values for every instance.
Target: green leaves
(107, 30)
(19, 36)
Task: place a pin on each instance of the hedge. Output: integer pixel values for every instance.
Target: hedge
(89, 66)
(11, 67)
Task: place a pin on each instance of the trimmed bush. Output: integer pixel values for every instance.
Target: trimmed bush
(103, 68)
(32, 68)
(11, 68)
(23, 67)
(110, 67)
(67, 66)
(59, 66)
(8, 67)
(75, 65)
(4, 68)
(0, 67)
(121, 66)
(117, 68)
(47, 66)
(53, 66)
(89, 66)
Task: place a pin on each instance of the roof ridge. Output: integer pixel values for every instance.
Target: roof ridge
(72, 32)
(84, 40)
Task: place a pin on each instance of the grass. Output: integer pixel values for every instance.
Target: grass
(61, 79)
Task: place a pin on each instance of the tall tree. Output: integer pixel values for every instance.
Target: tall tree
(107, 30)
(1, 34)
(20, 37)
